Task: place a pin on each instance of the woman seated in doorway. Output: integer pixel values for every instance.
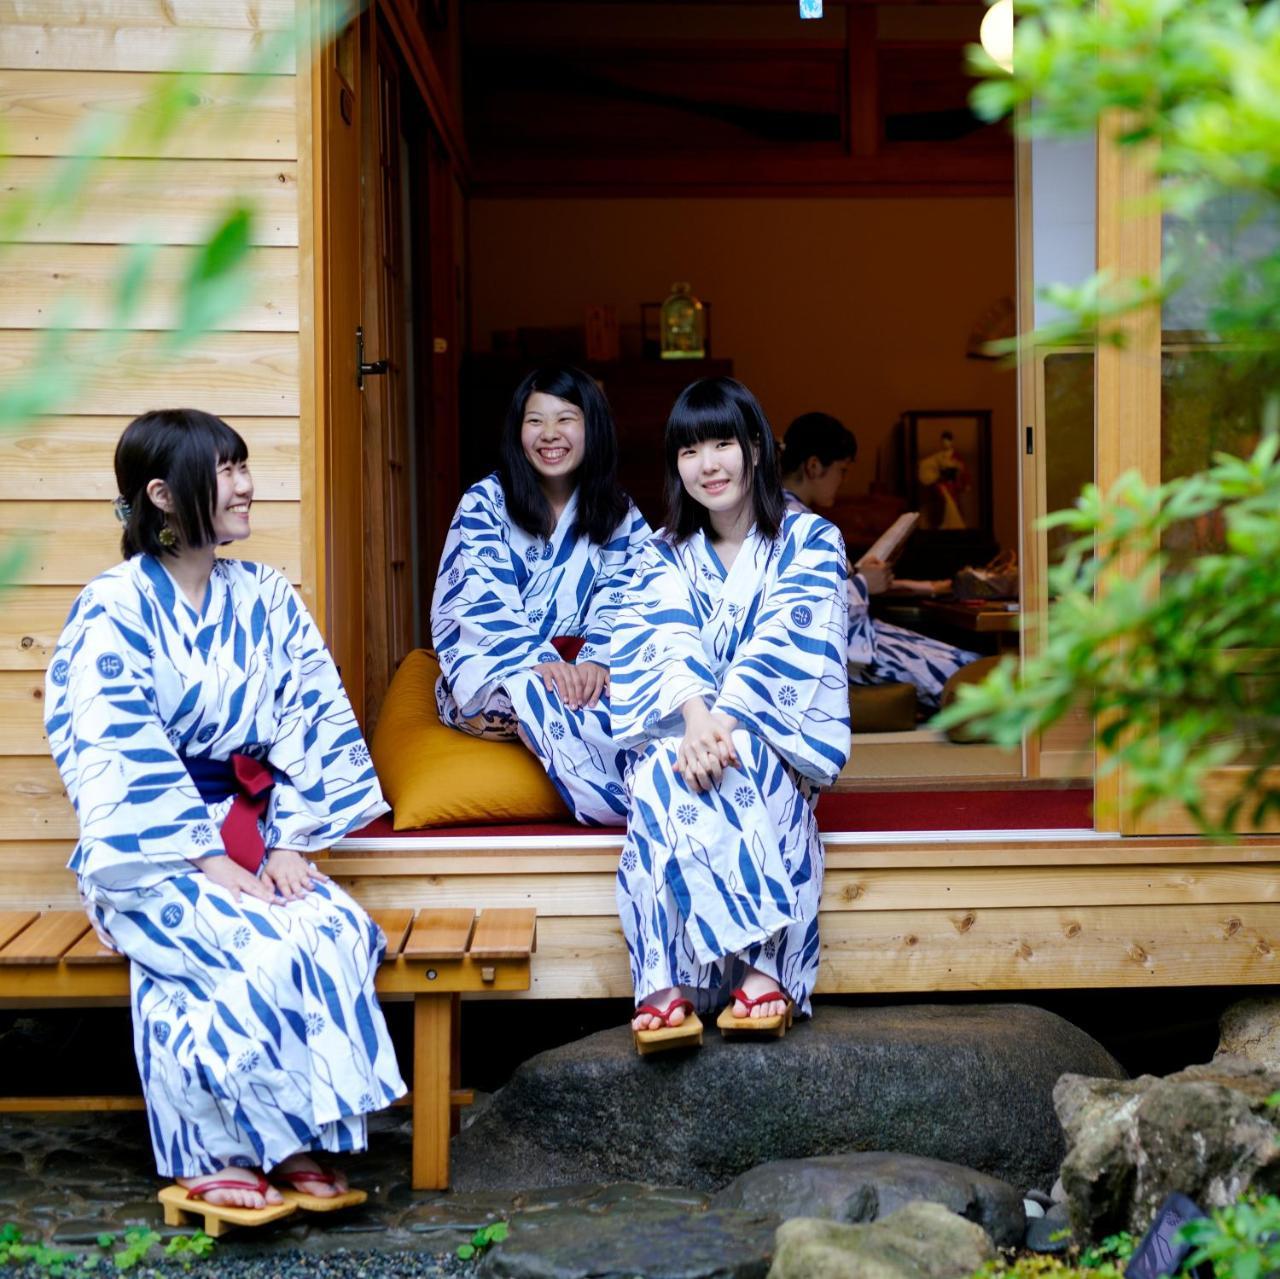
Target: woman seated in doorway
(729, 687)
(540, 553)
(817, 453)
(208, 746)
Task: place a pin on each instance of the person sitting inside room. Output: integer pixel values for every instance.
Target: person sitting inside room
(209, 748)
(817, 452)
(729, 688)
(538, 553)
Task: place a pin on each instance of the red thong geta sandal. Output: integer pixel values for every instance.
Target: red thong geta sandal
(260, 1186)
(772, 997)
(325, 1177)
(663, 1015)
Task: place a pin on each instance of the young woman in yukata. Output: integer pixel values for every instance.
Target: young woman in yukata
(729, 686)
(208, 746)
(817, 452)
(538, 553)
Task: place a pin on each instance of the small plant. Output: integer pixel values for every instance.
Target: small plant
(1043, 1266)
(187, 1249)
(1240, 1241)
(14, 1251)
(481, 1240)
(137, 1243)
(1117, 1248)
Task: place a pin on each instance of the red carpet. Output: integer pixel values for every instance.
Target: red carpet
(1022, 809)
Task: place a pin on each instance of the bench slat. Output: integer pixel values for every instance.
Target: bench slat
(12, 922)
(395, 924)
(46, 940)
(505, 933)
(89, 950)
(440, 934)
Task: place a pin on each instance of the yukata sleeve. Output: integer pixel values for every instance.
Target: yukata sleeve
(862, 642)
(656, 658)
(141, 817)
(325, 783)
(479, 626)
(617, 574)
(789, 683)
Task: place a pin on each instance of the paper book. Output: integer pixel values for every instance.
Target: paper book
(889, 544)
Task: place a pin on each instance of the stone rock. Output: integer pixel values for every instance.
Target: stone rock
(1206, 1131)
(969, 1084)
(869, 1186)
(650, 1238)
(1057, 1192)
(1032, 1209)
(1250, 1031)
(1042, 1231)
(920, 1241)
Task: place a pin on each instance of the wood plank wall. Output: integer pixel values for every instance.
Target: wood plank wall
(61, 61)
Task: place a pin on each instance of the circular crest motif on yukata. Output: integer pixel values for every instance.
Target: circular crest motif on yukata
(173, 735)
(548, 551)
(160, 1030)
(315, 1024)
(241, 937)
(651, 959)
(735, 610)
(770, 948)
(488, 552)
(651, 719)
(535, 616)
(802, 615)
(629, 859)
(59, 671)
(207, 733)
(687, 813)
(201, 834)
(453, 577)
(744, 797)
(556, 730)
(552, 656)
(248, 1060)
(366, 1102)
(171, 916)
(358, 755)
(615, 788)
(531, 554)
(110, 666)
(616, 597)
(332, 926)
(649, 652)
(787, 695)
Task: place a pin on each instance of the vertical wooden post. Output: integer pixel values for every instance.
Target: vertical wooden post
(432, 1071)
(455, 1061)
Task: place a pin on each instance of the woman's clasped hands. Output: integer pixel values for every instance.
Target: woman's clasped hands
(707, 748)
(286, 876)
(578, 683)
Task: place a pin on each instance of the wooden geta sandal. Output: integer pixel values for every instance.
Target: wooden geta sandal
(182, 1204)
(688, 1034)
(773, 1027)
(316, 1203)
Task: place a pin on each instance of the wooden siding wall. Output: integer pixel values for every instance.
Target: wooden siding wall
(61, 61)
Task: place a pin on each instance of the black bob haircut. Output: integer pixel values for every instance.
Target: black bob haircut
(816, 435)
(721, 408)
(601, 503)
(184, 448)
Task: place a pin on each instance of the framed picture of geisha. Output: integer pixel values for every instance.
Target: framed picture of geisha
(948, 467)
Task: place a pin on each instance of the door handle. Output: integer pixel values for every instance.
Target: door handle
(364, 368)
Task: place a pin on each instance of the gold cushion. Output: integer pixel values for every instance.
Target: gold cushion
(974, 673)
(882, 708)
(433, 775)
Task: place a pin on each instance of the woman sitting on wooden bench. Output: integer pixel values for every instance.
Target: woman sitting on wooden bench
(729, 684)
(208, 746)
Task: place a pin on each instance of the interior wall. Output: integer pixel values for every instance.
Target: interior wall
(861, 308)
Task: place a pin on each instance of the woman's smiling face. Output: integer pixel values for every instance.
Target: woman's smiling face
(232, 503)
(553, 435)
(713, 473)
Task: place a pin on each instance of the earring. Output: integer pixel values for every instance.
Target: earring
(167, 537)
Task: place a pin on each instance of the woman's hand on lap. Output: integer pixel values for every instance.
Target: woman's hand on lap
(566, 678)
(595, 681)
(234, 878)
(291, 873)
(706, 749)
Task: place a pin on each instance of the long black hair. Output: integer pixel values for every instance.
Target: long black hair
(601, 503)
(721, 408)
(816, 435)
(184, 448)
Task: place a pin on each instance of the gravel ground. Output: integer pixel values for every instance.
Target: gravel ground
(292, 1263)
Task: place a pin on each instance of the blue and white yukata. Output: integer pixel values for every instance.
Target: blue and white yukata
(256, 1027)
(735, 871)
(881, 653)
(501, 596)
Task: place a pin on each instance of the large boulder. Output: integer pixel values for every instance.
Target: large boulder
(972, 1085)
(867, 1186)
(920, 1241)
(1206, 1131)
(1250, 1031)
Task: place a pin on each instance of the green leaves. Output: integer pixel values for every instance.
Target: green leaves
(483, 1239)
(216, 282)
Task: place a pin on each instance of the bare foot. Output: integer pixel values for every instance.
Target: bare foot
(660, 999)
(324, 1183)
(755, 985)
(233, 1197)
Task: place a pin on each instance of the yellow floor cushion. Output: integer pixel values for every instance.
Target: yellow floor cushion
(433, 775)
(974, 673)
(882, 708)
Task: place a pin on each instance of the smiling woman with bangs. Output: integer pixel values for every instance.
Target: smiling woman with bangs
(729, 689)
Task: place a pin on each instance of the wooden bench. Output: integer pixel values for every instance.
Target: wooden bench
(54, 959)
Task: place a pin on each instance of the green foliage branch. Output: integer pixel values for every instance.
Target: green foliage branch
(1178, 659)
